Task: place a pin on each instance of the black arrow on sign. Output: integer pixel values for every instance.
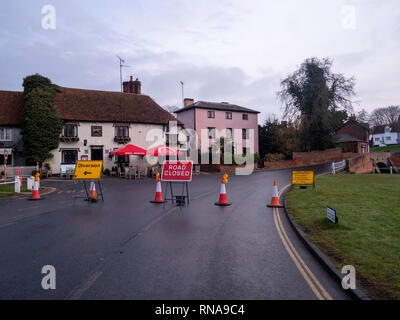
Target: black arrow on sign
(86, 173)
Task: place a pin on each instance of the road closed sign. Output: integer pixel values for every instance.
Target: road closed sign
(87, 170)
(302, 177)
(175, 170)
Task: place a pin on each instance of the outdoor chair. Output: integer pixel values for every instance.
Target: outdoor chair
(127, 173)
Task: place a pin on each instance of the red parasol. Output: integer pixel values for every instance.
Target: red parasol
(129, 150)
(163, 151)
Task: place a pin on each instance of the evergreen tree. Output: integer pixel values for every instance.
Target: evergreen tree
(41, 126)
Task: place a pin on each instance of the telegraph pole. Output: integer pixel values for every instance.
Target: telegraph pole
(183, 96)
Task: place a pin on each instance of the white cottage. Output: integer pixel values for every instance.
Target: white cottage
(97, 122)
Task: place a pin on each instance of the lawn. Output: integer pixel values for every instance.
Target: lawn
(393, 148)
(368, 233)
(10, 188)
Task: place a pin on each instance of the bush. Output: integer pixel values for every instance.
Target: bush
(273, 157)
(2, 173)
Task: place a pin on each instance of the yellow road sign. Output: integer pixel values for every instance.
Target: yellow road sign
(302, 177)
(87, 170)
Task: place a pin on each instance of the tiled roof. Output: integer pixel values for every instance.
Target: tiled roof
(217, 106)
(90, 105)
(381, 129)
(10, 108)
(341, 138)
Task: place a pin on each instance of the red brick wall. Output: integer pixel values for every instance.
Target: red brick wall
(315, 157)
(360, 164)
(395, 157)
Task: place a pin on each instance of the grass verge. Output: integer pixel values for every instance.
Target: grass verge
(10, 188)
(393, 148)
(368, 233)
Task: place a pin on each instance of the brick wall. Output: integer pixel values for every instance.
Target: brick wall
(360, 164)
(395, 158)
(315, 157)
(230, 169)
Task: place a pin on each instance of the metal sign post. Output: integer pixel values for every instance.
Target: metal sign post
(303, 178)
(177, 172)
(89, 171)
(5, 164)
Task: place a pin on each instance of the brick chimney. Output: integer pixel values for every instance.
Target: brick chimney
(131, 86)
(188, 102)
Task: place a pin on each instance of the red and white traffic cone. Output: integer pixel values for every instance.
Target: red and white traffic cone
(35, 192)
(275, 197)
(92, 189)
(94, 195)
(223, 201)
(158, 198)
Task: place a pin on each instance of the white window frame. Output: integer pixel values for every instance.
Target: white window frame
(3, 134)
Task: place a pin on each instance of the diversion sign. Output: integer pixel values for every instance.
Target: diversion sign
(178, 171)
(88, 170)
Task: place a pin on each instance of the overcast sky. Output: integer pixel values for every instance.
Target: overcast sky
(225, 50)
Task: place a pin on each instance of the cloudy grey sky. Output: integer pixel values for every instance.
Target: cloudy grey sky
(225, 50)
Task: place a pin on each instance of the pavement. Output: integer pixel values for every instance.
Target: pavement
(129, 248)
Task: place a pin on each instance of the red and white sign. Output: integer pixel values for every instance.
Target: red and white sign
(18, 171)
(175, 170)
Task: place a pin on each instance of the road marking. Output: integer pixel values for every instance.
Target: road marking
(80, 290)
(313, 277)
(296, 262)
(299, 262)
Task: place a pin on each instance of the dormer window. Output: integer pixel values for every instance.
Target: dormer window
(387, 129)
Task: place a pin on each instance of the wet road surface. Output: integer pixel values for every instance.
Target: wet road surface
(129, 248)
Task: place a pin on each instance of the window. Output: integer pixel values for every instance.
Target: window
(70, 131)
(122, 159)
(97, 131)
(211, 133)
(5, 134)
(245, 133)
(244, 151)
(69, 156)
(228, 115)
(245, 116)
(211, 114)
(229, 133)
(377, 139)
(122, 131)
(388, 138)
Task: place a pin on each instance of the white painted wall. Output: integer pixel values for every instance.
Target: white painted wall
(137, 133)
(394, 138)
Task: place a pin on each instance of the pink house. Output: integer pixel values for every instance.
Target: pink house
(213, 120)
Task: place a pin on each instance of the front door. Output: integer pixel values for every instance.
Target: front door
(97, 153)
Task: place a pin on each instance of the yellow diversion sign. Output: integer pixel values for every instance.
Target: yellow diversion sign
(87, 170)
(303, 177)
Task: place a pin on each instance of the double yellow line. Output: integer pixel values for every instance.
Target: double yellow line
(305, 271)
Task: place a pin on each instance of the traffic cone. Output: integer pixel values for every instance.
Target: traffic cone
(222, 193)
(275, 197)
(35, 191)
(92, 189)
(158, 198)
(93, 195)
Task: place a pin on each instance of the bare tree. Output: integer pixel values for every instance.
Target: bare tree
(362, 116)
(171, 109)
(383, 116)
